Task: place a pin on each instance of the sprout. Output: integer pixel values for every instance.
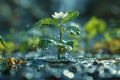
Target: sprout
(58, 20)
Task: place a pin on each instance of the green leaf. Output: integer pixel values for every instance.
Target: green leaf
(72, 43)
(73, 30)
(44, 43)
(47, 21)
(67, 45)
(2, 42)
(71, 15)
(63, 46)
(74, 36)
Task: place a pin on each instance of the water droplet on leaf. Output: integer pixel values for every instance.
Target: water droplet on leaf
(33, 46)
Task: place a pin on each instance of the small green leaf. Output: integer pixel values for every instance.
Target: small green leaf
(67, 45)
(73, 30)
(73, 36)
(47, 21)
(2, 42)
(72, 43)
(70, 16)
(63, 46)
(75, 43)
(44, 43)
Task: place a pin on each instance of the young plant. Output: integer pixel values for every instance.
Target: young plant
(59, 20)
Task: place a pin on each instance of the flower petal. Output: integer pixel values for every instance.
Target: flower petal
(65, 15)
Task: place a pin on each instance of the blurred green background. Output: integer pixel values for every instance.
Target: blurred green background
(99, 21)
(21, 14)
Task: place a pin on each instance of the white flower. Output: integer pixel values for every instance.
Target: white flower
(59, 15)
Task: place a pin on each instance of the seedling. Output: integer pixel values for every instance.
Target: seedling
(59, 20)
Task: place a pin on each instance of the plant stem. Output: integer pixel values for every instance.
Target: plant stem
(60, 40)
(60, 35)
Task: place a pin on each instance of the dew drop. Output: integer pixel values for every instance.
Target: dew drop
(33, 46)
(58, 36)
(46, 48)
(66, 55)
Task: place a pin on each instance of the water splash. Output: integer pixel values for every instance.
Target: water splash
(66, 55)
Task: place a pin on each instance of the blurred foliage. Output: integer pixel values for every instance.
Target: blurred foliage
(20, 41)
(112, 46)
(11, 47)
(93, 26)
(99, 35)
(2, 42)
(29, 44)
(107, 36)
(10, 63)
